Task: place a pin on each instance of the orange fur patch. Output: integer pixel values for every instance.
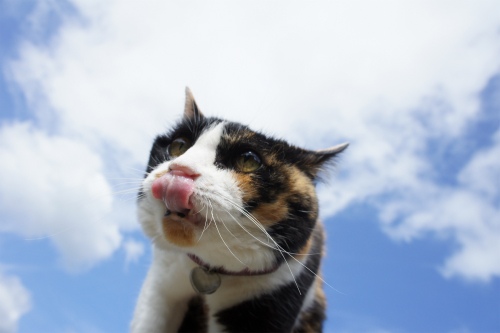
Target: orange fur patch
(300, 183)
(270, 213)
(272, 159)
(320, 294)
(306, 248)
(176, 232)
(319, 225)
(244, 182)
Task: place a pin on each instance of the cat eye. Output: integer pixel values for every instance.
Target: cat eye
(247, 162)
(179, 146)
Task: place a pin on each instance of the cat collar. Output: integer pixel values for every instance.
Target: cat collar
(223, 271)
(206, 279)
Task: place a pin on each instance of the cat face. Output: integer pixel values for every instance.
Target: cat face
(230, 196)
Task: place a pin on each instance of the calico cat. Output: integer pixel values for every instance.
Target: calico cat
(233, 218)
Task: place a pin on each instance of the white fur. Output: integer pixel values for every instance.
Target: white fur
(308, 300)
(163, 299)
(166, 291)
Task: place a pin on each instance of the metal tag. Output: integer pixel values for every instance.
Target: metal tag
(203, 281)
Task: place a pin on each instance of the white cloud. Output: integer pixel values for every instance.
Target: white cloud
(468, 213)
(386, 76)
(53, 187)
(133, 250)
(482, 174)
(15, 301)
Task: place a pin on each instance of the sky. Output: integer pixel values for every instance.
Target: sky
(412, 211)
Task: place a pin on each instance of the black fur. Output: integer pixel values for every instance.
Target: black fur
(195, 320)
(276, 311)
(314, 319)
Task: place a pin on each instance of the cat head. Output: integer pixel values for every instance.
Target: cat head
(231, 196)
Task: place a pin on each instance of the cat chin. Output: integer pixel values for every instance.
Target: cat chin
(248, 257)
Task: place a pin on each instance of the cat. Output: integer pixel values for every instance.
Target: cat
(233, 218)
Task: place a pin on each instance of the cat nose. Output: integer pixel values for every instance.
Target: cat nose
(183, 170)
(175, 188)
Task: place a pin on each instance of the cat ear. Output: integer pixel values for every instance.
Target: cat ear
(314, 161)
(334, 150)
(191, 109)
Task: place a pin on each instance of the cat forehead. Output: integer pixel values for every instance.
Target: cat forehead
(230, 133)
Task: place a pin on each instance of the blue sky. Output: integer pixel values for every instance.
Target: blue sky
(412, 214)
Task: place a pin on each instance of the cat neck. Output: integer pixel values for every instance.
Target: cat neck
(223, 271)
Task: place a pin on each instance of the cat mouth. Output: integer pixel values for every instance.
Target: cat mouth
(187, 215)
(176, 189)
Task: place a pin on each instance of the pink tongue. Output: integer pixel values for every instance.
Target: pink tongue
(174, 188)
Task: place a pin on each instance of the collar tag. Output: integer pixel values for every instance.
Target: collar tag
(203, 281)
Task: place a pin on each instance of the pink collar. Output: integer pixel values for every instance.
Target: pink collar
(221, 270)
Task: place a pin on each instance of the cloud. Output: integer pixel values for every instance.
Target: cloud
(469, 213)
(15, 301)
(53, 187)
(133, 250)
(391, 78)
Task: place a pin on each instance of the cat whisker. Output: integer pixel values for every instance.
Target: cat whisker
(250, 217)
(261, 227)
(141, 171)
(291, 255)
(229, 230)
(126, 178)
(253, 236)
(127, 190)
(89, 202)
(204, 226)
(215, 223)
(279, 248)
